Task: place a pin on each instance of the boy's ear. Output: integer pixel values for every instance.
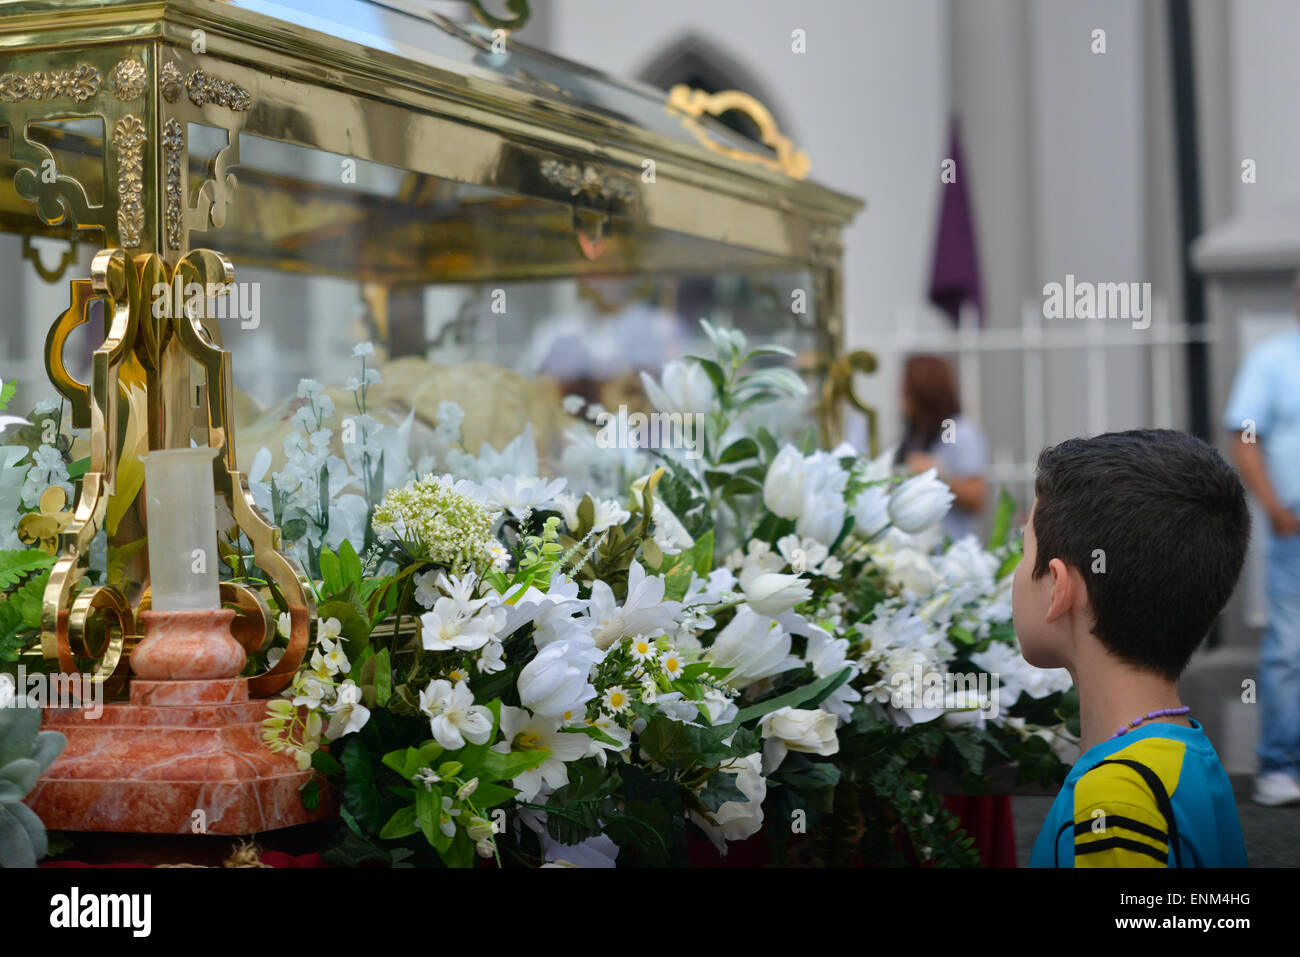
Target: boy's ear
(1067, 589)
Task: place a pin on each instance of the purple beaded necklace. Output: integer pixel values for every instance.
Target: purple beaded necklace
(1162, 713)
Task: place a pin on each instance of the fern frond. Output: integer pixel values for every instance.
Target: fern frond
(16, 564)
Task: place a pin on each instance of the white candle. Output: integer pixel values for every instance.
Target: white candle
(182, 522)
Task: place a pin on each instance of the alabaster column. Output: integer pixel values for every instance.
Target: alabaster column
(187, 632)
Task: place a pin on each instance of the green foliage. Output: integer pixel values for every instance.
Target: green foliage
(20, 616)
(25, 753)
(17, 564)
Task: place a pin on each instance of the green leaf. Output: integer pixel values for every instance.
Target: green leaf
(810, 695)
(497, 766)
(777, 378)
(490, 795)
(383, 678)
(349, 564)
(1009, 565)
(715, 373)
(360, 794)
(428, 811)
(720, 789)
(738, 451)
(1002, 520)
(331, 578)
(78, 469)
(324, 762)
(591, 731)
(354, 622)
(768, 350)
(401, 824)
(654, 555)
(17, 564)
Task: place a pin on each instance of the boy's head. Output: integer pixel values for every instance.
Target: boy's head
(1141, 536)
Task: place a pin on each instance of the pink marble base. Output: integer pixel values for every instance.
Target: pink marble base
(187, 645)
(146, 767)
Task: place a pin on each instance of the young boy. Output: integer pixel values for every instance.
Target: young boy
(1133, 546)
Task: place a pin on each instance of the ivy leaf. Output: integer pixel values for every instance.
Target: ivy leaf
(721, 788)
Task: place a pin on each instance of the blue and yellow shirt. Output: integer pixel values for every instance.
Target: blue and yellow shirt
(1155, 797)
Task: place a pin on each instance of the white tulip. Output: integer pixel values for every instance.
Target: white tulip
(797, 729)
(686, 388)
(783, 486)
(821, 511)
(556, 680)
(753, 647)
(920, 502)
(771, 593)
(737, 820)
(870, 511)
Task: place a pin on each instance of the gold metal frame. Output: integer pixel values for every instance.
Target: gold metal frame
(550, 185)
(151, 344)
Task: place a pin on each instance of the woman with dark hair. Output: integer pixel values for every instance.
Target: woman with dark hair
(937, 436)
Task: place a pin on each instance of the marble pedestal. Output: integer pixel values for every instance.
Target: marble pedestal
(178, 747)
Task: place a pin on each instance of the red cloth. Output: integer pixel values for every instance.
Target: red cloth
(273, 858)
(987, 818)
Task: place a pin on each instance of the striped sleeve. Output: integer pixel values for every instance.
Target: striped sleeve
(1114, 834)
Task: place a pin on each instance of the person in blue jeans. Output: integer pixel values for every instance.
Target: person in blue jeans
(1264, 412)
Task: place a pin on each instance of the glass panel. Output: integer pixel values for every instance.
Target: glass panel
(404, 29)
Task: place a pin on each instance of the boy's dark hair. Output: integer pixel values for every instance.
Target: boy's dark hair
(1169, 515)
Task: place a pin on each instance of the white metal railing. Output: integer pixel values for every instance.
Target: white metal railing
(1034, 340)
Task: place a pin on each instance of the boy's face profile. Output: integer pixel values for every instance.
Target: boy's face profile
(1031, 608)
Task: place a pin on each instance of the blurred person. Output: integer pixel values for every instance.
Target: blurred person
(1264, 412)
(937, 436)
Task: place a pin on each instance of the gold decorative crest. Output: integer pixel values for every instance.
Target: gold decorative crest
(127, 80)
(79, 84)
(587, 180)
(173, 143)
(171, 82)
(128, 140)
(694, 104)
(204, 88)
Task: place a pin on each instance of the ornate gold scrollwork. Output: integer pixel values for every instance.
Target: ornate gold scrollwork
(78, 83)
(63, 617)
(155, 343)
(49, 274)
(837, 387)
(696, 103)
(204, 88)
(215, 195)
(57, 201)
(128, 141)
(173, 143)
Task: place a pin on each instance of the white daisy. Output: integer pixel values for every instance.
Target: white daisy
(616, 700)
(642, 648)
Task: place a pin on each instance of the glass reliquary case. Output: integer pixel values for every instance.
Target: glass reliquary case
(517, 237)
